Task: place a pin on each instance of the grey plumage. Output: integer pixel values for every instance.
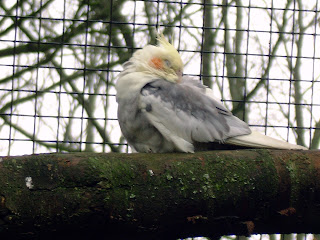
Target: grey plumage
(161, 111)
(183, 110)
(189, 112)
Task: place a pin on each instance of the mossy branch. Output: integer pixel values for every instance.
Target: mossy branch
(160, 196)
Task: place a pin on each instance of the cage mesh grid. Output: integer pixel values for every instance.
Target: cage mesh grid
(60, 59)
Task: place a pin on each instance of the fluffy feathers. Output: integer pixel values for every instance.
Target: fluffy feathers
(161, 111)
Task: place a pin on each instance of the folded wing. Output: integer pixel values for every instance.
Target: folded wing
(184, 114)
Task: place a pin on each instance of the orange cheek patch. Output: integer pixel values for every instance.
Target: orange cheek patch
(157, 63)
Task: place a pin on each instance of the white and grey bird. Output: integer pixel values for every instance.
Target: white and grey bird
(159, 110)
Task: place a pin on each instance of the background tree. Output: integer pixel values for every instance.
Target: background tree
(59, 61)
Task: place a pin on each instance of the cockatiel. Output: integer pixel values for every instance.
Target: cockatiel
(159, 110)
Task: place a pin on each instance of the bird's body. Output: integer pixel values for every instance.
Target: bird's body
(161, 111)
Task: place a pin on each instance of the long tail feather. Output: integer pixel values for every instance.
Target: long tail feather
(258, 140)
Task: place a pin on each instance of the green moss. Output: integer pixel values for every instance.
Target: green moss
(205, 183)
(302, 173)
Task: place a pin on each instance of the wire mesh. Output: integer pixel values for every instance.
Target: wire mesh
(59, 60)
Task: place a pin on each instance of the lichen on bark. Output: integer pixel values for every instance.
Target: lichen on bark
(164, 195)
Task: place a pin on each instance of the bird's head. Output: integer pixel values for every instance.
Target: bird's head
(162, 60)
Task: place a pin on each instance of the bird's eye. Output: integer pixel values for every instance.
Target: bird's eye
(167, 63)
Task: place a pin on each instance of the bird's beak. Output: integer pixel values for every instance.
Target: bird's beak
(179, 74)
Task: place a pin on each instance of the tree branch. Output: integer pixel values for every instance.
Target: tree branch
(160, 196)
(208, 43)
(271, 59)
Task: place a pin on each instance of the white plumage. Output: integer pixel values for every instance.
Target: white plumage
(161, 111)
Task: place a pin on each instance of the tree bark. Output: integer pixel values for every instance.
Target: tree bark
(159, 196)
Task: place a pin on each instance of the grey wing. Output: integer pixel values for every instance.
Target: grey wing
(183, 114)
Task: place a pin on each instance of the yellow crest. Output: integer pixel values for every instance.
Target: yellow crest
(163, 42)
